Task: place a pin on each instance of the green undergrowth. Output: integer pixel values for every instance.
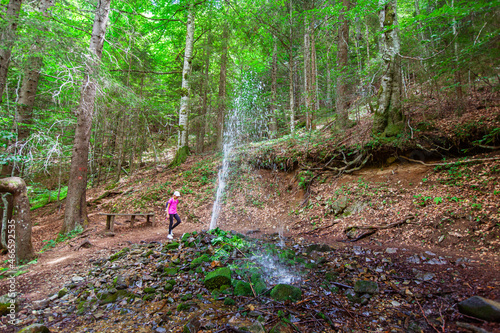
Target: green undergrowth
(51, 243)
(41, 197)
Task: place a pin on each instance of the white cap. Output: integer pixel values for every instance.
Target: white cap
(177, 194)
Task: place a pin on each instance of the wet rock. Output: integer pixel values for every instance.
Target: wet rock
(218, 278)
(480, 307)
(285, 292)
(35, 328)
(366, 287)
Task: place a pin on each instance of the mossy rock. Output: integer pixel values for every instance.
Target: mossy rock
(106, 298)
(147, 254)
(173, 246)
(187, 297)
(185, 306)
(218, 278)
(35, 328)
(242, 288)
(366, 287)
(170, 271)
(185, 237)
(149, 290)
(229, 301)
(5, 305)
(260, 287)
(148, 297)
(393, 130)
(168, 287)
(256, 277)
(331, 276)
(62, 292)
(285, 292)
(119, 254)
(198, 261)
(193, 326)
(287, 254)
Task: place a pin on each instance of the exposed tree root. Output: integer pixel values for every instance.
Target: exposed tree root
(461, 162)
(373, 229)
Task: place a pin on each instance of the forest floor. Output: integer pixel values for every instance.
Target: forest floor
(439, 220)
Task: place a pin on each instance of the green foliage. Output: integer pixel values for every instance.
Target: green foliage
(61, 238)
(41, 198)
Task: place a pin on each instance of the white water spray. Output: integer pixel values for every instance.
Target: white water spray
(247, 121)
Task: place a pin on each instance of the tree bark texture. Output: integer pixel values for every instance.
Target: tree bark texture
(307, 73)
(342, 65)
(186, 90)
(7, 40)
(274, 87)
(76, 204)
(21, 217)
(388, 117)
(290, 72)
(221, 108)
(29, 85)
(200, 140)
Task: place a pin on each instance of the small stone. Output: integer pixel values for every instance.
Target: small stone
(283, 292)
(413, 259)
(77, 279)
(391, 250)
(395, 303)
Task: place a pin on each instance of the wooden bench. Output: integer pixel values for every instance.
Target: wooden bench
(110, 218)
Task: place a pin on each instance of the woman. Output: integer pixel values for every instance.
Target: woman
(171, 211)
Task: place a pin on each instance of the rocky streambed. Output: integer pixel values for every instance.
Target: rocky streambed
(224, 281)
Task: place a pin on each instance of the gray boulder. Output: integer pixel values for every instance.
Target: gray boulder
(480, 307)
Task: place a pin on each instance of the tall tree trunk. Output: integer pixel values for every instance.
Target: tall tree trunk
(328, 101)
(307, 73)
(7, 40)
(458, 75)
(200, 144)
(388, 118)
(274, 87)
(182, 143)
(290, 72)
(314, 80)
(221, 109)
(76, 204)
(29, 86)
(186, 89)
(21, 218)
(342, 65)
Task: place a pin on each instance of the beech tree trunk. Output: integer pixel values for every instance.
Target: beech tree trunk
(7, 36)
(221, 109)
(21, 218)
(328, 101)
(76, 204)
(274, 87)
(388, 118)
(342, 65)
(29, 85)
(186, 90)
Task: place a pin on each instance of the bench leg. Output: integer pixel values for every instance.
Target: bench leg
(112, 224)
(153, 221)
(108, 222)
(132, 220)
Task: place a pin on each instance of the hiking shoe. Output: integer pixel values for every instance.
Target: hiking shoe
(170, 236)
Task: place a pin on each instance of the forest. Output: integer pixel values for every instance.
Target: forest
(283, 124)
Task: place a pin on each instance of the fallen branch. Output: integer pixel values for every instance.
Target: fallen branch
(458, 162)
(373, 229)
(320, 229)
(471, 328)
(426, 319)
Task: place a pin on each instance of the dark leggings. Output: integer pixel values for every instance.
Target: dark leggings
(177, 218)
